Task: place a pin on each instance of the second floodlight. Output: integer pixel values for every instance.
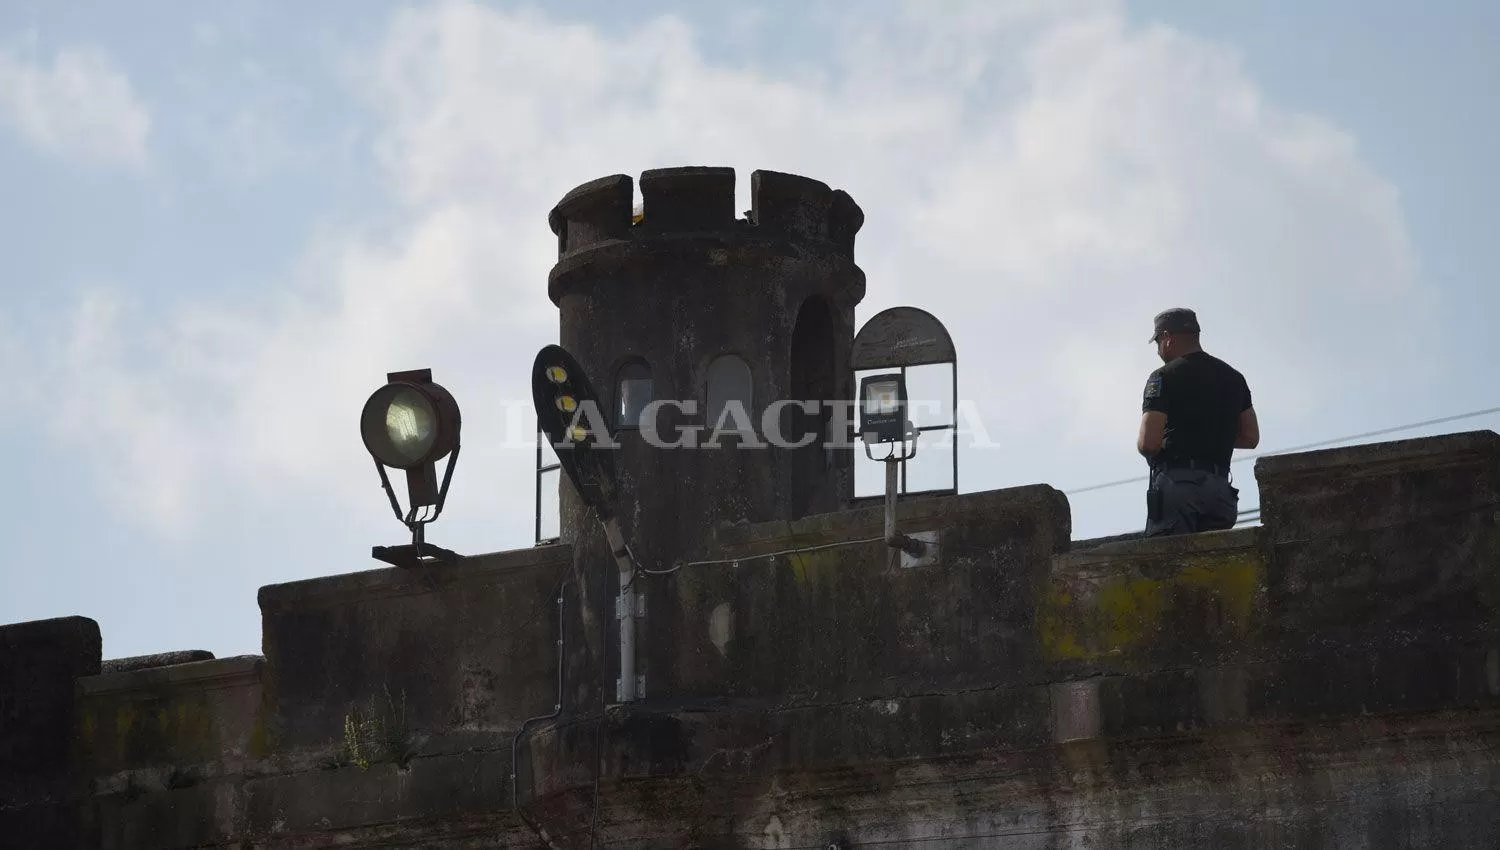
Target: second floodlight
(882, 408)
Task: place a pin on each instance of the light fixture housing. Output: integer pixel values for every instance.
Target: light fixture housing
(568, 412)
(883, 408)
(410, 424)
(411, 421)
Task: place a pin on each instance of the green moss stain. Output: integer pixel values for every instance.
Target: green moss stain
(1079, 620)
(179, 727)
(125, 719)
(811, 569)
(259, 740)
(1233, 580)
(87, 726)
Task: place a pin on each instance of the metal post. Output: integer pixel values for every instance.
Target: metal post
(625, 612)
(537, 537)
(903, 460)
(953, 419)
(891, 537)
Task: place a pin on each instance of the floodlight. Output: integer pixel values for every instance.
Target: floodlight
(882, 408)
(566, 407)
(410, 424)
(410, 421)
(882, 419)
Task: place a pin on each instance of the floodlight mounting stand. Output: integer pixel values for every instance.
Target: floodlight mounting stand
(893, 538)
(629, 606)
(419, 552)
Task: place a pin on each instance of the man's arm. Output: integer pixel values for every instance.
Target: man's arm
(1153, 428)
(1248, 436)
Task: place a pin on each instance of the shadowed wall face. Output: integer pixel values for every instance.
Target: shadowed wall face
(39, 778)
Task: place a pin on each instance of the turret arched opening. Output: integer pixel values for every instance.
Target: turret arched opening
(633, 390)
(730, 398)
(813, 381)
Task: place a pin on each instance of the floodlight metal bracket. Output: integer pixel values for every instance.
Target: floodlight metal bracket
(416, 553)
(916, 549)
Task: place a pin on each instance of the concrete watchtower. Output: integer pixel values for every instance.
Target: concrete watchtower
(689, 305)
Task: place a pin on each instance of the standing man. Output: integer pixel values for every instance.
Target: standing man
(1195, 413)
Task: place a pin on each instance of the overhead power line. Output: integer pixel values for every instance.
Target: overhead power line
(1383, 431)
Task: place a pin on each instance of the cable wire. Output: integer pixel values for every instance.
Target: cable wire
(1379, 433)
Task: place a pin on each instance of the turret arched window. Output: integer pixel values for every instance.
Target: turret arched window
(730, 399)
(633, 391)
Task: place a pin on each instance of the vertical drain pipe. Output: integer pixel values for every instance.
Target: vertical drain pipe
(556, 706)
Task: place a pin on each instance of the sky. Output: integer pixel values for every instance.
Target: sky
(224, 223)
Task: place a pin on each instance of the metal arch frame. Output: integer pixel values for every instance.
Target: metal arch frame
(942, 352)
(541, 470)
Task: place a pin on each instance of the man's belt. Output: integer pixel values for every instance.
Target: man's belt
(1195, 465)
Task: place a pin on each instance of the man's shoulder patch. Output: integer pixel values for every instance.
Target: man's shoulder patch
(1153, 385)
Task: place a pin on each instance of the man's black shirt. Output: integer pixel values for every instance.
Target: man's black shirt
(1203, 398)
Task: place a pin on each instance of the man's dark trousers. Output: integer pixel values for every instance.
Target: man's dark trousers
(1184, 501)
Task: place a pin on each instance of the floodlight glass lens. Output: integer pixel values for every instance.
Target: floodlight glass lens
(882, 398)
(579, 433)
(557, 374)
(410, 424)
(567, 404)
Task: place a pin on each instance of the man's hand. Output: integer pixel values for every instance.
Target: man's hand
(1153, 430)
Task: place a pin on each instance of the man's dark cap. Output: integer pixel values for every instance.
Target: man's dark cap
(1178, 320)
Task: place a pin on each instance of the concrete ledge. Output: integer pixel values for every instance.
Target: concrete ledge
(232, 672)
(160, 659)
(396, 581)
(1176, 547)
(924, 514)
(1382, 458)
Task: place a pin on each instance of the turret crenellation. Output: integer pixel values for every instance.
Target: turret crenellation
(790, 204)
(845, 218)
(687, 200)
(597, 211)
(701, 200)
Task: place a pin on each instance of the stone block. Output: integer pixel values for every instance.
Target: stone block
(463, 650)
(1383, 544)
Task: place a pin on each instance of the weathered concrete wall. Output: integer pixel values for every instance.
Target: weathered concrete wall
(1180, 692)
(382, 714)
(169, 748)
(843, 622)
(1329, 679)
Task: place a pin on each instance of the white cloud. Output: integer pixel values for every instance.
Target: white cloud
(81, 106)
(1044, 201)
